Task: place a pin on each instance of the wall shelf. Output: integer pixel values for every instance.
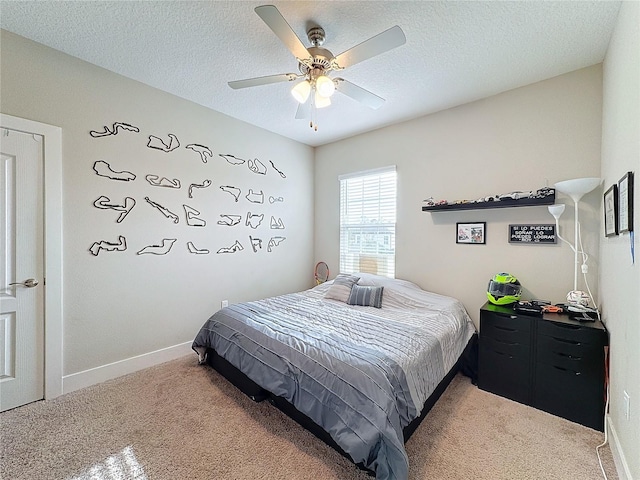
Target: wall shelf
(505, 203)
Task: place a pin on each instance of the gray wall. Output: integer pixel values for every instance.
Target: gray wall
(118, 305)
(619, 278)
(523, 139)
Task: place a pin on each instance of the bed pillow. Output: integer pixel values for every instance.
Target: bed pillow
(341, 287)
(366, 296)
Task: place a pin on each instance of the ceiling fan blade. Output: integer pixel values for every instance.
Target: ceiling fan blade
(254, 82)
(304, 111)
(358, 93)
(383, 42)
(276, 22)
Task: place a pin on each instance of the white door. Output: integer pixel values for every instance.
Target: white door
(21, 269)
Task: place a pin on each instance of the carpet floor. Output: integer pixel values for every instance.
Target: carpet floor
(180, 420)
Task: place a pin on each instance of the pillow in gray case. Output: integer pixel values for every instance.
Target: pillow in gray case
(366, 296)
(341, 287)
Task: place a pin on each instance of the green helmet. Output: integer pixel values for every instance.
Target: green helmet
(504, 289)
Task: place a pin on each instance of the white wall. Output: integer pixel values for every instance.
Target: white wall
(523, 139)
(119, 305)
(619, 277)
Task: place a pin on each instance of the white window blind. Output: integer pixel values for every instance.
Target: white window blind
(368, 222)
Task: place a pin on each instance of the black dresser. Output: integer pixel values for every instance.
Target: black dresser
(549, 362)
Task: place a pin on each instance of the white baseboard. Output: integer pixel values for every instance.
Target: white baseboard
(86, 378)
(622, 467)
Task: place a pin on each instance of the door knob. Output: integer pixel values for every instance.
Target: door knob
(29, 283)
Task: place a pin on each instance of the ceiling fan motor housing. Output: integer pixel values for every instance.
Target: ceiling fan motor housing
(320, 59)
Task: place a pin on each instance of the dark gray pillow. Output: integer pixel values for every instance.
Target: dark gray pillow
(341, 287)
(366, 296)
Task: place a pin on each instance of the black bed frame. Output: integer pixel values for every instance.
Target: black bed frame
(466, 364)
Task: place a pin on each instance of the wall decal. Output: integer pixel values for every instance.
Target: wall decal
(230, 220)
(158, 143)
(255, 197)
(274, 242)
(158, 181)
(254, 220)
(256, 243)
(276, 224)
(165, 211)
(163, 249)
(236, 247)
(103, 169)
(235, 191)
(203, 150)
(276, 199)
(274, 167)
(232, 159)
(205, 184)
(103, 202)
(197, 251)
(117, 126)
(256, 166)
(108, 246)
(192, 217)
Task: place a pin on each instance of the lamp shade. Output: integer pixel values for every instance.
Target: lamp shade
(301, 91)
(577, 187)
(556, 210)
(320, 101)
(325, 86)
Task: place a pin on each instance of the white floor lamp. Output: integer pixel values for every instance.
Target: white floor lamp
(576, 189)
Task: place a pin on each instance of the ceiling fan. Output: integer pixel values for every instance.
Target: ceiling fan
(315, 63)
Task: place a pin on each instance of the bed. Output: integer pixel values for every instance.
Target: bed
(358, 360)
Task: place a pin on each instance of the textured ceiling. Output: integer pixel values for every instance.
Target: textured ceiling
(456, 52)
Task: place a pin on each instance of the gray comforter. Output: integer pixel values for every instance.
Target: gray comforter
(360, 373)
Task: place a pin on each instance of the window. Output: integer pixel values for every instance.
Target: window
(368, 222)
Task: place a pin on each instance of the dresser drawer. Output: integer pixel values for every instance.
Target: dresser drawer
(571, 332)
(505, 369)
(505, 328)
(576, 396)
(569, 354)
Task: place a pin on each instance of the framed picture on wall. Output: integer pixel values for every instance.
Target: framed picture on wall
(611, 211)
(471, 232)
(625, 203)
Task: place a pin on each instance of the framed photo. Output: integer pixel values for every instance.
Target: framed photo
(471, 232)
(625, 203)
(611, 211)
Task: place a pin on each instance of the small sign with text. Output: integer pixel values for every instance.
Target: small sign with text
(532, 233)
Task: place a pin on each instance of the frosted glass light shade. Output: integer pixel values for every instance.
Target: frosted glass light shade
(577, 187)
(556, 210)
(301, 91)
(320, 101)
(325, 86)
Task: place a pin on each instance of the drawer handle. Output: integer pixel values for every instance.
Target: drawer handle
(566, 370)
(507, 329)
(564, 340)
(566, 355)
(504, 354)
(506, 343)
(568, 327)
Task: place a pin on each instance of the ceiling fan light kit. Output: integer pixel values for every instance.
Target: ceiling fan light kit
(301, 91)
(325, 86)
(319, 101)
(315, 64)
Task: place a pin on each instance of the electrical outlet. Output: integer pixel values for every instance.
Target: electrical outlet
(626, 406)
(224, 303)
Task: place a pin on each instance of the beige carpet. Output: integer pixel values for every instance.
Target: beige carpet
(180, 421)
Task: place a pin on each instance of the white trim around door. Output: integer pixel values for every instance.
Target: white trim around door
(52, 247)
